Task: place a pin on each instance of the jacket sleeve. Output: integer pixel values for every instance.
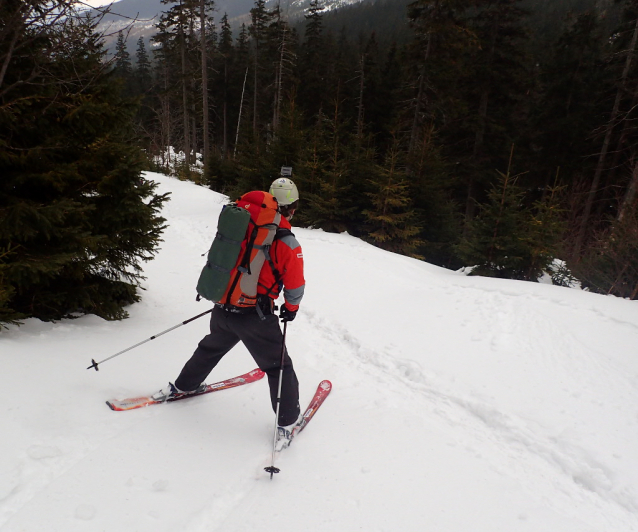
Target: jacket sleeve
(290, 262)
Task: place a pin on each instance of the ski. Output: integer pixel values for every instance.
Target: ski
(322, 392)
(139, 402)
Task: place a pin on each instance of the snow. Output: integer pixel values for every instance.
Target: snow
(459, 404)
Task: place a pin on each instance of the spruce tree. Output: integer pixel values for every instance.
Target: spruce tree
(258, 30)
(610, 264)
(495, 77)
(224, 87)
(122, 62)
(142, 68)
(568, 105)
(500, 241)
(122, 57)
(391, 221)
(75, 216)
(313, 62)
(7, 314)
(331, 205)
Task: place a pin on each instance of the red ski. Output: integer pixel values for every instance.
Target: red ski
(139, 402)
(322, 392)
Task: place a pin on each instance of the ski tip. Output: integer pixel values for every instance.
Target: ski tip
(110, 405)
(325, 385)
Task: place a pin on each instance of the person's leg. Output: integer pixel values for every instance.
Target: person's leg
(209, 352)
(263, 339)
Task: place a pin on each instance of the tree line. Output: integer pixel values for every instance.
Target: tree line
(469, 141)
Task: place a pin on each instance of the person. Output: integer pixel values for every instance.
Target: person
(261, 335)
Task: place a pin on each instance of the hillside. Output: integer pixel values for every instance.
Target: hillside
(467, 403)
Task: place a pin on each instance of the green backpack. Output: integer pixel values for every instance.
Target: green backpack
(245, 232)
(223, 253)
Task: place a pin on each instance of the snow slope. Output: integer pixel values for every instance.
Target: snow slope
(460, 404)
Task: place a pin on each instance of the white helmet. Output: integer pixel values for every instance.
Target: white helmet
(285, 191)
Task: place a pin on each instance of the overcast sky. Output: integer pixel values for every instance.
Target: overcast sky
(97, 3)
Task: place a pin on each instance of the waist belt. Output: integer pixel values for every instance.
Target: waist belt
(264, 307)
(236, 310)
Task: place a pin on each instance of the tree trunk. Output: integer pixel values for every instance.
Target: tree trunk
(279, 86)
(225, 112)
(205, 134)
(241, 105)
(182, 43)
(9, 54)
(479, 138)
(580, 237)
(362, 79)
(255, 93)
(419, 99)
(630, 195)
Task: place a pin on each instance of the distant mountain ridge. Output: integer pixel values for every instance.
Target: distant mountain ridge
(387, 17)
(138, 17)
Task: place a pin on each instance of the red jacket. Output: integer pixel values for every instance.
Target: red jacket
(287, 257)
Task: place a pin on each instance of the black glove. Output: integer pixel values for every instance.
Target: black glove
(286, 314)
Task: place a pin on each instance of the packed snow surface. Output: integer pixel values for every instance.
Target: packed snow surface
(459, 404)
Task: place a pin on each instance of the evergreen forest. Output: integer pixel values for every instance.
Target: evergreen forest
(492, 134)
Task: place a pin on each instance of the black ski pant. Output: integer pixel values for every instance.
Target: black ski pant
(263, 339)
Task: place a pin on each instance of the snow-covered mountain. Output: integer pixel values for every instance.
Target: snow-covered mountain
(459, 404)
(138, 17)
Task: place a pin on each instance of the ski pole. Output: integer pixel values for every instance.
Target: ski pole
(96, 364)
(272, 469)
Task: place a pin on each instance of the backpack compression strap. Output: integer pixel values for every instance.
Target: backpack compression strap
(244, 265)
(281, 233)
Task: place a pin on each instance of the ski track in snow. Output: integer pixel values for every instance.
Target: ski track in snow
(42, 464)
(584, 480)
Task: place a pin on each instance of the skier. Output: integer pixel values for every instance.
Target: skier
(262, 337)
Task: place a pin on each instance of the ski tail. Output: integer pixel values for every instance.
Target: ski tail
(142, 401)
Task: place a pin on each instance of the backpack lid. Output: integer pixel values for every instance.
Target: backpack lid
(261, 205)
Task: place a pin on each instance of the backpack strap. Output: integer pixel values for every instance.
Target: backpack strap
(244, 265)
(281, 233)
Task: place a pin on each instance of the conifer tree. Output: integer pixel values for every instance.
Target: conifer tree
(260, 19)
(495, 74)
(610, 264)
(178, 39)
(7, 314)
(623, 66)
(227, 53)
(142, 68)
(391, 221)
(545, 231)
(497, 242)
(313, 62)
(142, 83)
(440, 36)
(282, 43)
(122, 57)
(569, 102)
(331, 204)
(75, 216)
